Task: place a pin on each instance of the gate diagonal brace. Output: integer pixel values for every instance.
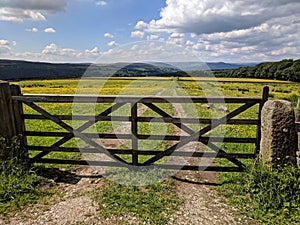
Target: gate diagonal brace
(195, 135)
(218, 150)
(164, 114)
(73, 132)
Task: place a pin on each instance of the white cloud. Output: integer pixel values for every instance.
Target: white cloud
(112, 43)
(4, 47)
(108, 35)
(4, 42)
(52, 52)
(266, 42)
(176, 35)
(95, 50)
(141, 25)
(49, 30)
(137, 34)
(147, 51)
(253, 30)
(14, 43)
(101, 3)
(34, 29)
(19, 15)
(18, 11)
(197, 16)
(153, 37)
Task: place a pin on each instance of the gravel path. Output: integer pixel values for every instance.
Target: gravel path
(73, 204)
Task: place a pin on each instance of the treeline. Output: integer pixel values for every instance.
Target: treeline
(287, 69)
(20, 70)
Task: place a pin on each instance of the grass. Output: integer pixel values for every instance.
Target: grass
(270, 197)
(151, 204)
(19, 185)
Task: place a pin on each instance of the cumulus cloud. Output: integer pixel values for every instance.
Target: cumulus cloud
(4, 46)
(52, 52)
(253, 30)
(34, 29)
(93, 51)
(49, 30)
(137, 34)
(19, 15)
(197, 16)
(112, 43)
(18, 11)
(4, 42)
(108, 35)
(274, 40)
(101, 3)
(176, 35)
(154, 37)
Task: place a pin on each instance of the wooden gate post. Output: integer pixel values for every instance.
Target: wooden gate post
(298, 109)
(264, 99)
(18, 112)
(7, 119)
(297, 120)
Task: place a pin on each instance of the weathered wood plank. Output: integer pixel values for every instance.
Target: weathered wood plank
(298, 109)
(134, 134)
(131, 99)
(143, 152)
(7, 124)
(142, 137)
(297, 127)
(231, 159)
(116, 164)
(19, 121)
(143, 119)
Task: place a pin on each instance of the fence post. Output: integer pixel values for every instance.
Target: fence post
(298, 109)
(18, 112)
(264, 99)
(278, 143)
(297, 120)
(7, 119)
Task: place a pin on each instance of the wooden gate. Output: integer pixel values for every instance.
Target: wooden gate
(153, 157)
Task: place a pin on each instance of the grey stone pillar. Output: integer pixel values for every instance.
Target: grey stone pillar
(278, 138)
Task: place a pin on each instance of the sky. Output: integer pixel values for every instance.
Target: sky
(213, 30)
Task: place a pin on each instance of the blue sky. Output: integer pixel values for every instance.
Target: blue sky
(214, 30)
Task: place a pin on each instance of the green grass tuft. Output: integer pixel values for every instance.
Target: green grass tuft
(151, 204)
(271, 197)
(19, 186)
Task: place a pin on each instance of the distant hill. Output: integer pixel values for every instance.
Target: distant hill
(20, 70)
(228, 66)
(287, 69)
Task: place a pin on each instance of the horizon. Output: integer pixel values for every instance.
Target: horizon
(233, 63)
(83, 31)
